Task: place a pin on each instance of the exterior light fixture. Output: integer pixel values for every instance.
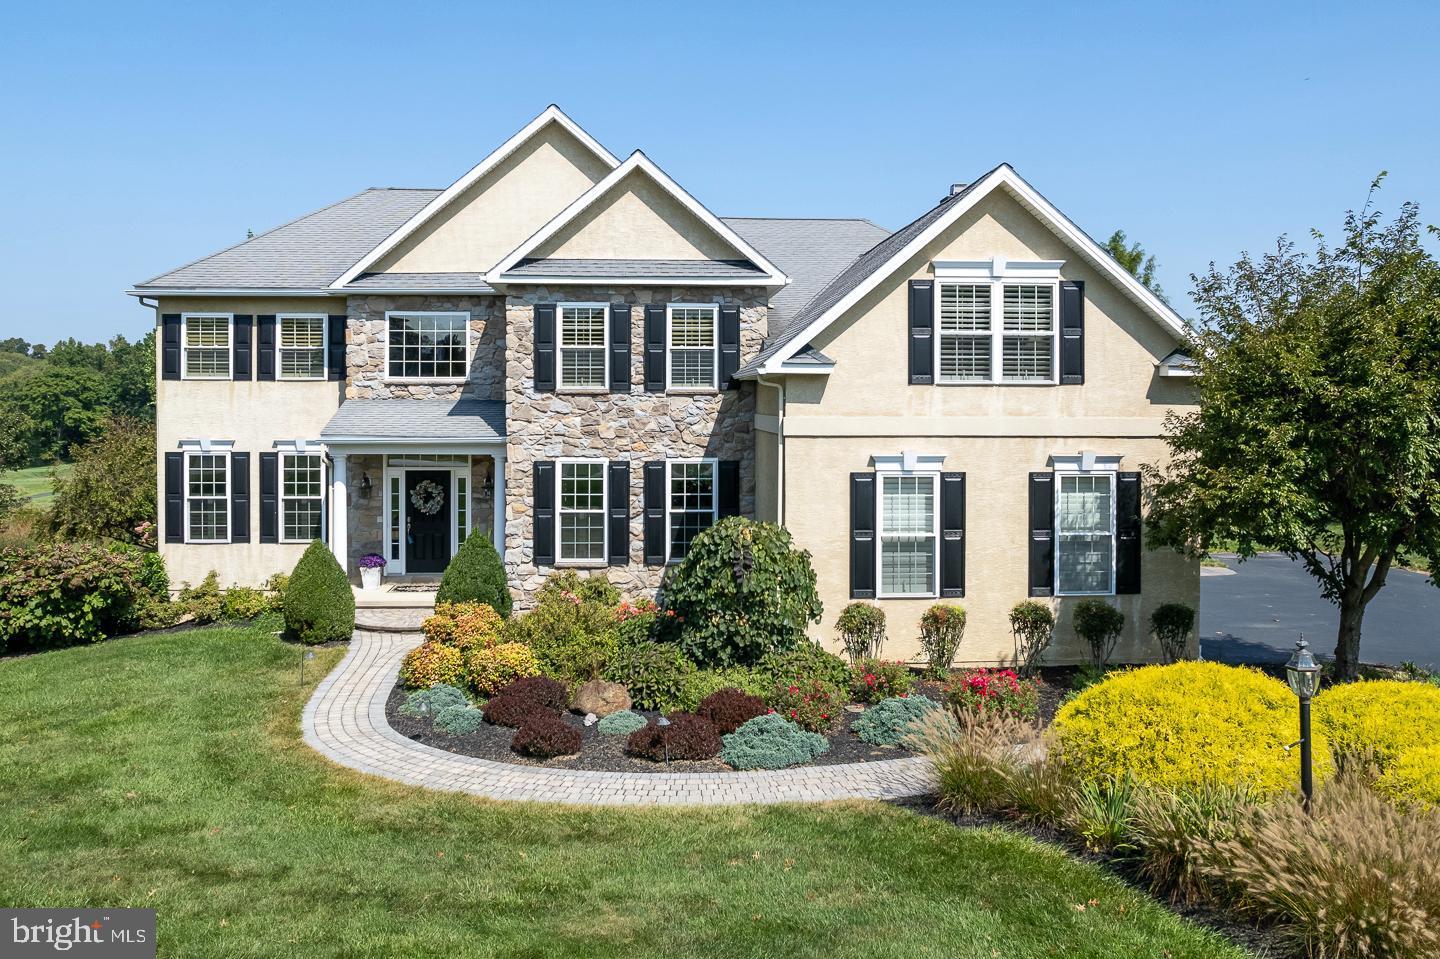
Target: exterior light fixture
(1303, 675)
(662, 722)
(307, 654)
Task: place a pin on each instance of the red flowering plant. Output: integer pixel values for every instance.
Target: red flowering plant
(872, 680)
(636, 621)
(996, 692)
(810, 704)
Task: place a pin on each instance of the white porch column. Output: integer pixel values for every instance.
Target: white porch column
(498, 524)
(339, 518)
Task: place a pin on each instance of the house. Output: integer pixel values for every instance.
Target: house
(570, 354)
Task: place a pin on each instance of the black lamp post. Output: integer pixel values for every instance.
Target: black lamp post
(1303, 675)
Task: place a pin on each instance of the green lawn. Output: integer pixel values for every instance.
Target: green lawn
(167, 771)
(34, 482)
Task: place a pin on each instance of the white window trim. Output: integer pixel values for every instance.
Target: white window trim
(323, 495)
(714, 386)
(714, 499)
(324, 346)
(604, 559)
(1074, 466)
(229, 319)
(997, 332)
(881, 474)
(469, 347)
(560, 385)
(224, 454)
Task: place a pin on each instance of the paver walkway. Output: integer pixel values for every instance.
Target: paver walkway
(345, 722)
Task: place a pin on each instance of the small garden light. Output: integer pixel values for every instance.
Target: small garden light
(664, 740)
(308, 654)
(1303, 675)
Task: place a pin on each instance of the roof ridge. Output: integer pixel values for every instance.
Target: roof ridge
(794, 219)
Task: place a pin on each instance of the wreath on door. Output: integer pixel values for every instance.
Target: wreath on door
(427, 496)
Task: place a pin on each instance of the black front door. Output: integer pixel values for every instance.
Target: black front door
(427, 521)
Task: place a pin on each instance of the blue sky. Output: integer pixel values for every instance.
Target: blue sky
(140, 136)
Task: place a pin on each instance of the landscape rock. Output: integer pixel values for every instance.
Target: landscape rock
(601, 698)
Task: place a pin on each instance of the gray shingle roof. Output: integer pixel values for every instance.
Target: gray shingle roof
(305, 254)
(810, 251)
(416, 420)
(739, 270)
(468, 282)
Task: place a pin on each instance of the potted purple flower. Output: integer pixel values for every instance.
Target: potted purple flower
(371, 566)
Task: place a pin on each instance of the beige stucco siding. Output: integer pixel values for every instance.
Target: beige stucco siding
(503, 208)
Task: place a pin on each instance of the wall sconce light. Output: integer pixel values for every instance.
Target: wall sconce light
(489, 483)
(365, 486)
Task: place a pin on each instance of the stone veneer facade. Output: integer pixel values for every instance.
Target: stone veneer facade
(365, 347)
(636, 426)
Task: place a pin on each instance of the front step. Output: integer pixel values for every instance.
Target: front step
(391, 619)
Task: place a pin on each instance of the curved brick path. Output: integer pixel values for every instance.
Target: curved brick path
(345, 722)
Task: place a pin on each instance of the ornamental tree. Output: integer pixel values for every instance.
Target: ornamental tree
(1318, 427)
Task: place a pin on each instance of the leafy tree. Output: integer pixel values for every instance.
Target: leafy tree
(12, 456)
(13, 344)
(60, 405)
(1134, 259)
(112, 488)
(1318, 430)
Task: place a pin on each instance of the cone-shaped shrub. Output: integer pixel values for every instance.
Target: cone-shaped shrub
(319, 606)
(476, 575)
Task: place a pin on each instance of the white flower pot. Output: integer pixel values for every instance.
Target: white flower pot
(370, 578)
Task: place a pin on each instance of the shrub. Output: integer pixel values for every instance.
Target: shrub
(813, 706)
(476, 575)
(942, 626)
(729, 709)
(1357, 877)
(622, 723)
(1174, 832)
(806, 663)
(687, 737)
(1379, 719)
(1183, 725)
(544, 736)
(1103, 813)
(243, 603)
(1099, 624)
(319, 606)
(1171, 623)
(65, 593)
(635, 622)
(862, 630)
(1033, 626)
(510, 710)
(704, 682)
(203, 603)
(429, 702)
(1414, 777)
(109, 493)
(891, 722)
(771, 742)
(655, 674)
(572, 629)
(152, 579)
(875, 679)
(542, 690)
(742, 591)
(998, 691)
(431, 663)
(458, 720)
(463, 625)
(488, 669)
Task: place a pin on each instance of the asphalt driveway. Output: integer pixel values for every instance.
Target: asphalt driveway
(1256, 614)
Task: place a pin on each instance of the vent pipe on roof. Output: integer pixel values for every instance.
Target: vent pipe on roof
(957, 188)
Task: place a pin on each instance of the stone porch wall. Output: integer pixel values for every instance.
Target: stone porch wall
(636, 426)
(365, 354)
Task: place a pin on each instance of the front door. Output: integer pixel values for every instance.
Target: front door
(427, 521)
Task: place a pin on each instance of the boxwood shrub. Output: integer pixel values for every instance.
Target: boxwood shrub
(319, 606)
(476, 575)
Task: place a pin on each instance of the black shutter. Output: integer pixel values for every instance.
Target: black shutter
(728, 488)
(270, 497)
(170, 349)
(337, 347)
(922, 323)
(544, 348)
(729, 346)
(265, 347)
(620, 349)
(952, 535)
(1072, 332)
(174, 497)
(619, 506)
(543, 521)
(655, 348)
(1042, 534)
(239, 497)
(862, 535)
(240, 329)
(655, 513)
(1127, 533)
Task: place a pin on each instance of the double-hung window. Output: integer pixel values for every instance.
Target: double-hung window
(581, 526)
(207, 346)
(300, 342)
(207, 497)
(1027, 351)
(427, 346)
(302, 497)
(1085, 534)
(692, 340)
(996, 322)
(583, 339)
(692, 503)
(908, 544)
(965, 341)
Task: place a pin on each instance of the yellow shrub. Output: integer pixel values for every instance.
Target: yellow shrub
(1414, 777)
(1187, 724)
(463, 625)
(432, 663)
(488, 669)
(1383, 718)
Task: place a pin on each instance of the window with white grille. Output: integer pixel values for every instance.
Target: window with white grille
(693, 341)
(207, 346)
(995, 331)
(207, 497)
(964, 332)
(1085, 534)
(302, 497)
(583, 338)
(1029, 339)
(909, 517)
(692, 503)
(428, 346)
(300, 341)
(581, 530)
